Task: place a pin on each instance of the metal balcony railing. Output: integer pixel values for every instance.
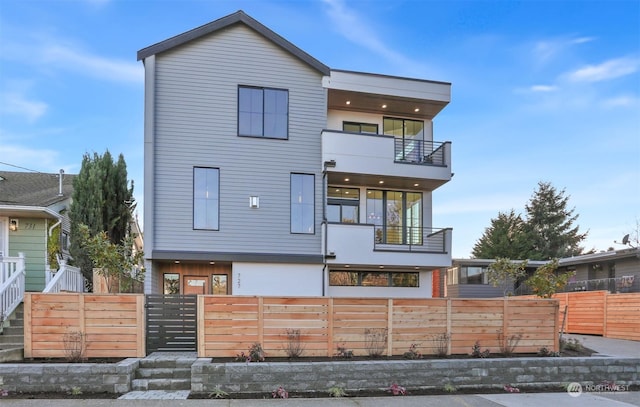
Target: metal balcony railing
(410, 239)
(414, 151)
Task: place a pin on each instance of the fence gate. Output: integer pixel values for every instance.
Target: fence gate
(171, 323)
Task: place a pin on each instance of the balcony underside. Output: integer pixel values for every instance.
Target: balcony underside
(373, 181)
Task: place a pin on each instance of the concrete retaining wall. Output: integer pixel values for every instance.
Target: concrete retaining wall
(62, 377)
(412, 374)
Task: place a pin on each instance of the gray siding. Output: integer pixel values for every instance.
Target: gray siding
(628, 267)
(196, 125)
(473, 291)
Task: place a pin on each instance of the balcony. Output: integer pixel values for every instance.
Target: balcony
(624, 284)
(362, 244)
(370, 158)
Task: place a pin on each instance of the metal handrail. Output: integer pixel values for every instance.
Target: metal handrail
(415, 151)
(410, 238)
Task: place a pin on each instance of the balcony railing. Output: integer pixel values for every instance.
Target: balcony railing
(414, 151)
(12, 276)
(624, 284)
(410, 239)
(67, 278)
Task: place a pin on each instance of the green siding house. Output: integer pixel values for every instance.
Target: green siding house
(33, 208)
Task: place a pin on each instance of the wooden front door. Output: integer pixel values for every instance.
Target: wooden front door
(193, 285)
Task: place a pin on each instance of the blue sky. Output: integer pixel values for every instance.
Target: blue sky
(541, 90)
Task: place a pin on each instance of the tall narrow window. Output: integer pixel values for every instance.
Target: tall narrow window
(302, 203)
(206, 198)
(397, 216)
(263, 112)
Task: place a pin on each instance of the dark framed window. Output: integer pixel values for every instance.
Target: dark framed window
(171, 283)
(397, 216)
(303, 203)
(374, 279)
(263, 112)
(343, 205)
(219, 284)
(355, 127)
(206, 198)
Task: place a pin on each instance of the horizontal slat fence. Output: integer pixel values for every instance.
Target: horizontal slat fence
(109, 325)
(599, 313)
(231, 324)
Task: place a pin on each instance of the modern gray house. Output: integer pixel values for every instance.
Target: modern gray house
(269, 173)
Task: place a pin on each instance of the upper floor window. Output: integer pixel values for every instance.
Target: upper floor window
(263, 112)
(360, 127)
(206, 198)
(404, 128)
(302, 203)
(343, 205)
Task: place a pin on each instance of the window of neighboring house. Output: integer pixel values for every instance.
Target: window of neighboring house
(219, 284)
(354, 127)
(64, 241)
(206, 198)
(374, 279)
(343, 205)
(397, 216)
(473, 275)
(171, 283)
(302, 203)
(263, 112)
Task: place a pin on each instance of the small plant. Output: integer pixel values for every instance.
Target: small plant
(450, 388)
(508, 344)
(375, 341)
(75, 391)
(4, 393)
(242, 357)
(75, 345)
(477, 352)
(510, 389)
(255, 354)
(343, 352)
(572, 344)
(441, 343)
(413, 352)
(337, 391)
(397, 390)
(545, 352)
(218, 393)
(280, 393)
(294, 347)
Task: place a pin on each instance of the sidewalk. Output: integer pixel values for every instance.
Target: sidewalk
(620, 399)
(608, 347)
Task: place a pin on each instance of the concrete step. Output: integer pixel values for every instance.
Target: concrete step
(13, 354)
(163, 373)
(168, 362)
(160, 384)
(4, 339)
(13, 330)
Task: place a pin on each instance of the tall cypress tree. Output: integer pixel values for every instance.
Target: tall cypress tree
(102, 200)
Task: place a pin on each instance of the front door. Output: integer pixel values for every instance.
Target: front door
(194, 285)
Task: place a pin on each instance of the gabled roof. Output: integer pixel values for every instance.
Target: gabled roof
(33, 188)
(239, 17)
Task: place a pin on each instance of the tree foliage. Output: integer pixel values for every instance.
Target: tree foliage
(505, 272)
(550, 225)
(103, 201)
(545, 281)
(546, 232)
(115, 262)
(504, 238)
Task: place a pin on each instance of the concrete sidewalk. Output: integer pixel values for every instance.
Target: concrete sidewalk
(620, 399)
(618, 348)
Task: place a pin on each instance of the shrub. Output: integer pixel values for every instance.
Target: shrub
(441, 342)
(255, 354)
(294, 347)
(280, 393)
(397, 390)
(545, 352)
(477, 352)
(337, 391)
(75, 345)
(375, 341)
(508, 344)
(413, 352)
(343, 352)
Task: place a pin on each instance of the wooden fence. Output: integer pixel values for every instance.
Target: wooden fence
(228, 325)
(600, 313)
(109, 325)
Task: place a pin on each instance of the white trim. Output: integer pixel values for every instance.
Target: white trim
(4, 236)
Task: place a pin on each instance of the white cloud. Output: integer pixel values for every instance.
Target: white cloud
(611, 69)
(620, 101)
(44, 160)
(543, 88)
(547, 49)
(93, 65)
(14, 103)
(361, 32)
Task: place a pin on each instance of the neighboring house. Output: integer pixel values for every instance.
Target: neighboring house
(269, 173)
(614, 270)
(32, 205)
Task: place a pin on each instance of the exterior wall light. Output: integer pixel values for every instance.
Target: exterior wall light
(13, 225)
(254, 202)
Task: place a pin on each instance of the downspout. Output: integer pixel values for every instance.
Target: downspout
(324, 227)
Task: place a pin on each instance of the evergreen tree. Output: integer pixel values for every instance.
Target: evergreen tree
(102, 200)
(504, 238)
(550, 225)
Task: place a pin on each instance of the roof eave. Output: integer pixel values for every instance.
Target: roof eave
(23, 210)
(237, 17)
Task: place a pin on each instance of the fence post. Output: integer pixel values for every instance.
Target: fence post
(81, 317)
(330, 316)
(505, 326)
(449, 333)
(27, 325)
(260, 320)
(604, 316)
(390, 327)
